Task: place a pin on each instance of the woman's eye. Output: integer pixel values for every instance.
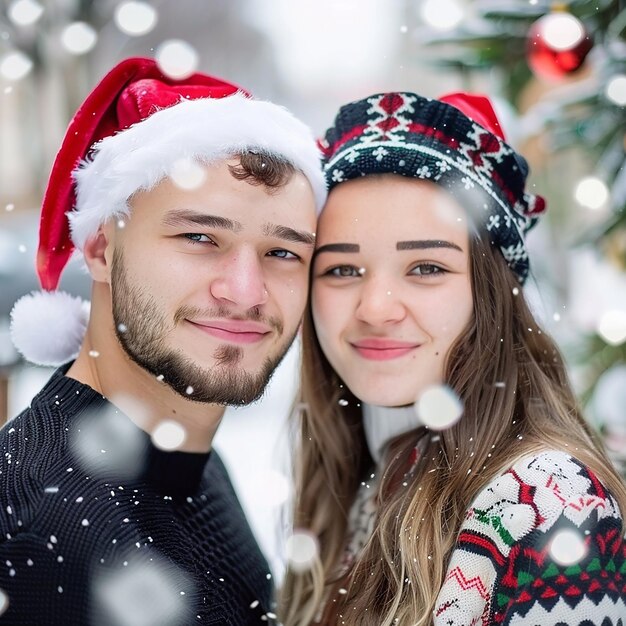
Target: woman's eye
(283, 254)
(343, 271)
(426, 269)
(198, 238)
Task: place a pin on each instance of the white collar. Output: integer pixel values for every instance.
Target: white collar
(383, 423)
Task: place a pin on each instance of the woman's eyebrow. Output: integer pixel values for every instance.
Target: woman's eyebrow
(424, 244)
(338, 247)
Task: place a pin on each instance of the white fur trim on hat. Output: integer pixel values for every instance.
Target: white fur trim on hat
(48, 327)
(205, 129)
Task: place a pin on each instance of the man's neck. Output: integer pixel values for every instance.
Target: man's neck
(147, 401)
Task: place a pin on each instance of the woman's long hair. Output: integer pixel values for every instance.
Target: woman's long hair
(517, 400)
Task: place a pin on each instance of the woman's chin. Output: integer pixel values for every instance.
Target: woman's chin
(382, 397)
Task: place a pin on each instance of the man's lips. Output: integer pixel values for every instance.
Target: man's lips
(236, 331)
(382, 349)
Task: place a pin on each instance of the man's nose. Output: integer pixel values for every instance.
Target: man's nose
(241, 280)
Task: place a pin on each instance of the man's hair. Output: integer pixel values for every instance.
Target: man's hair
(258, 168)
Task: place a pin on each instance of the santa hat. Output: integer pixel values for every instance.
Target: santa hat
(126, 136)
(455, 142)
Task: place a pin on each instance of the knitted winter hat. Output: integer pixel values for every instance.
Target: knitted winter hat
(456, 142)
(130, 131)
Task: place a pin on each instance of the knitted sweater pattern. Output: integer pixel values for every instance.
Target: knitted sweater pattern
(87, 544)
(543, 544)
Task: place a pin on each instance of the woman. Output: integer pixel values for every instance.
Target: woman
(510, 514)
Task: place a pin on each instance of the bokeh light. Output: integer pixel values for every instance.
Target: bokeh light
(616, 90)
(442, 14)
(561, 31)
(567, 547)
(169, 435)
(108, 442)
(144, 594)
(15, 65)
(135, 18)
(24, 12)
(591, 192)
(79, 38)
(177, 58)
(302, 548)
(439, 407)
(612, 327)
(187, 174)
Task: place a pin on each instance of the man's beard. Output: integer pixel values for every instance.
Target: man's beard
(142, 329)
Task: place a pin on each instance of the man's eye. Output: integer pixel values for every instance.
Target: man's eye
(283, 254)
(198, 238)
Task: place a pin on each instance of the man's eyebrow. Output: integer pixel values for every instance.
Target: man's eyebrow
(183, 217)
(338, 247)
(424, 244)
(289, 234)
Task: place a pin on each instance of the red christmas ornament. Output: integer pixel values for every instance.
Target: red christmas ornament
(557, 45)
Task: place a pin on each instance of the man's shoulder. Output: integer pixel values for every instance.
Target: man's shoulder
(38, 468)
(42, 418)
(35, 461)
(34, 436)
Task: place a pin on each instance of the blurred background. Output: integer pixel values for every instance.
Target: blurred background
(555, 71)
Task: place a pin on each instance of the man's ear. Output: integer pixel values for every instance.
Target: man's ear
(98, 252)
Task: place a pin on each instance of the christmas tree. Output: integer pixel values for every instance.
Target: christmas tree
(562, 67)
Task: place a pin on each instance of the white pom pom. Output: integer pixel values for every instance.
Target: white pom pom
(48, 327)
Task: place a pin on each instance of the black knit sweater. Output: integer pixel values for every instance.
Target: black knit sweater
(153, 537)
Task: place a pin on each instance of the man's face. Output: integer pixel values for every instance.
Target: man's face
(208, 286)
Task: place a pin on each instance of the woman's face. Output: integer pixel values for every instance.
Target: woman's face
(391, 285)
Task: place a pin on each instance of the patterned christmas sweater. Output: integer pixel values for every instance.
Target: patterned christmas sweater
(543, 544)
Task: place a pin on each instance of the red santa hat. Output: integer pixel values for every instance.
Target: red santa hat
(130, 131)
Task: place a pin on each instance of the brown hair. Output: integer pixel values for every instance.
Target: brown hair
(268, 170)
(517, 400)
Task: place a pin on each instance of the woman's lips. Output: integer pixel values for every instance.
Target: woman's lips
(235, 331)
(378, 349)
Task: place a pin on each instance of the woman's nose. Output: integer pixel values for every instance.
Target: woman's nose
(379, 303)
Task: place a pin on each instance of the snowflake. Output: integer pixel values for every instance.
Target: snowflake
(379, 153)
(515, 252)
(352, 155)
(469, 184)
(494, 222)
(424, 172)
(443, 166)
(338, 176)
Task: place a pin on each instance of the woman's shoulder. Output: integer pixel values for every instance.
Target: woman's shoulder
(542, 541)
(540, 487)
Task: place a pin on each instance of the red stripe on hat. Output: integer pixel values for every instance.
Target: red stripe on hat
(351, 134)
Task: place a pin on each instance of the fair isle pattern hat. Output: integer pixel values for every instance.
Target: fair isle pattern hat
(455, 142)
(127, 135)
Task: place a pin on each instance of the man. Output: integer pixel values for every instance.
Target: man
(194, 213)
